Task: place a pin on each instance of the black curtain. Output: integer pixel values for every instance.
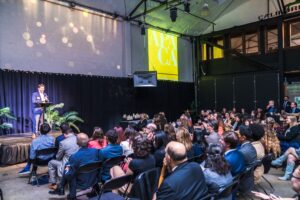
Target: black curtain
(100, 101)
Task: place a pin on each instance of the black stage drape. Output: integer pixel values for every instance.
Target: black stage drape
(99, 101)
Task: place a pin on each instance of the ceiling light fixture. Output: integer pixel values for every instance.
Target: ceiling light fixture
(205, 10)
(173, 14)
(186, 6)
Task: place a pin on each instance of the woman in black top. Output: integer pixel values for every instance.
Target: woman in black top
(160, 143)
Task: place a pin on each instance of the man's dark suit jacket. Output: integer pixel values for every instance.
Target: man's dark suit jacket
(185, 182)
(286, 106)
(81, 157)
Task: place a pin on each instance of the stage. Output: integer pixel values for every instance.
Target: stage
(14, 148)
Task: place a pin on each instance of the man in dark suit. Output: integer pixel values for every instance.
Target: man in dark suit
(82, 157)
(186, 179)
(249, 153)
(112, 150)
(38, 97)
(271, 109)
(294, 108)
(286, 106)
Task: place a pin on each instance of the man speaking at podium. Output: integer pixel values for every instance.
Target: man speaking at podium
(37, 98)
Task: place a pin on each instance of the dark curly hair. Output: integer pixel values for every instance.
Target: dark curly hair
(141, 146)
(216, 161)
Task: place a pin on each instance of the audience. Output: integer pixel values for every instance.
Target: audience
(169, 129)
(217, 171)
(127, 144)
(43, 141)
(64, 127)
(270, 140)
(234, 157)
(212, 128)
(67, 147)
(98, 140)
(160, 143)
(186, 179)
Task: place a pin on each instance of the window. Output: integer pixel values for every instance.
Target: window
(294, 34)
(251, 43)
(204, 52)
(236, 43)
(271, 39)
(218, 52)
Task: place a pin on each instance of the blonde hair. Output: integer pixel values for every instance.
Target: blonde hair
(183, 136)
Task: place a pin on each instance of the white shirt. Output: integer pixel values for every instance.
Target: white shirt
(42, 97)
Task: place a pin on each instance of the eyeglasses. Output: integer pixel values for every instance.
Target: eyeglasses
(296, 177)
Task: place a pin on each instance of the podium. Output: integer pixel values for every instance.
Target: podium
(43, 105)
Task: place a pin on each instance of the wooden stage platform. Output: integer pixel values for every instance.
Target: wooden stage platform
(14, 148)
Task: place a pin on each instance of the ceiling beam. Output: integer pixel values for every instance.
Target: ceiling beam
(136, 7)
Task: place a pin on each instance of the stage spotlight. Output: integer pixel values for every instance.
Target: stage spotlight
(143, 30)
(173, 14)
(72, 4)
(205, 10)
(186, 6)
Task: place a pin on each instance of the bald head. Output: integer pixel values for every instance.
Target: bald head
(176, 151)
(82, 139)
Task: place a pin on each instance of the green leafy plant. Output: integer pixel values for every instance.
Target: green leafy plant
(53, 117)
(6, 113)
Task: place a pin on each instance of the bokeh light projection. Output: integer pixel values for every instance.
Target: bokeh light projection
(43, 36)
(162, 55)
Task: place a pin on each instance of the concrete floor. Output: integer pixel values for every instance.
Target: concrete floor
(16, 188)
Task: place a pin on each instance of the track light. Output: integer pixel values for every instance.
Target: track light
(186, 5)
(173, 14)
(205, 10)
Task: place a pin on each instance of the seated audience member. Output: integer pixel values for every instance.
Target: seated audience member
(121, 134)
(127, 144)
(237, 122)
(217, 171)
(170, 131)
(291, 137)
(44, 141)
(150, 130)
(249, 154)
(291, 156)
(160, 143)
(112, 150)
(98, 140)
(56, 167)
(183, 136)
(142, 159)
(199, 144)
(294, 108)
(234, 157)
(271, 109)
(143, 122)
(257, 133)
(186, 179)
(295, 186)
(64, 127)
(270, 140)
(82, 157)
(213, 137)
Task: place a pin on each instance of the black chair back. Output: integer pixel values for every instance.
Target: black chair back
(44, 152)
(90, 167)
(267, 159)
(114, 161)
(145, 185)
(227, 191)
(117, 183)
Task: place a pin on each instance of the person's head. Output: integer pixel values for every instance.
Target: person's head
(296, 180)
(150, 128)
(212, 126)
(112, 136)
(175, 154)
(64, 127)
(170, 131)
(120, 132)
(183, 136)
(215, 159)
(45, 128)
(245, 133)
(257, 131)
(41, 87)
(227, 116)
(160, 139)
(82, 139)
(291, 120)
(294, 105)
(98, 134)
(286, 98)
(141, 146)
(231, 140)
(271, 103)
(130, 133)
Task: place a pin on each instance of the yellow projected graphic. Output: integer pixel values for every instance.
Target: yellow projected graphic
(162, 52)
